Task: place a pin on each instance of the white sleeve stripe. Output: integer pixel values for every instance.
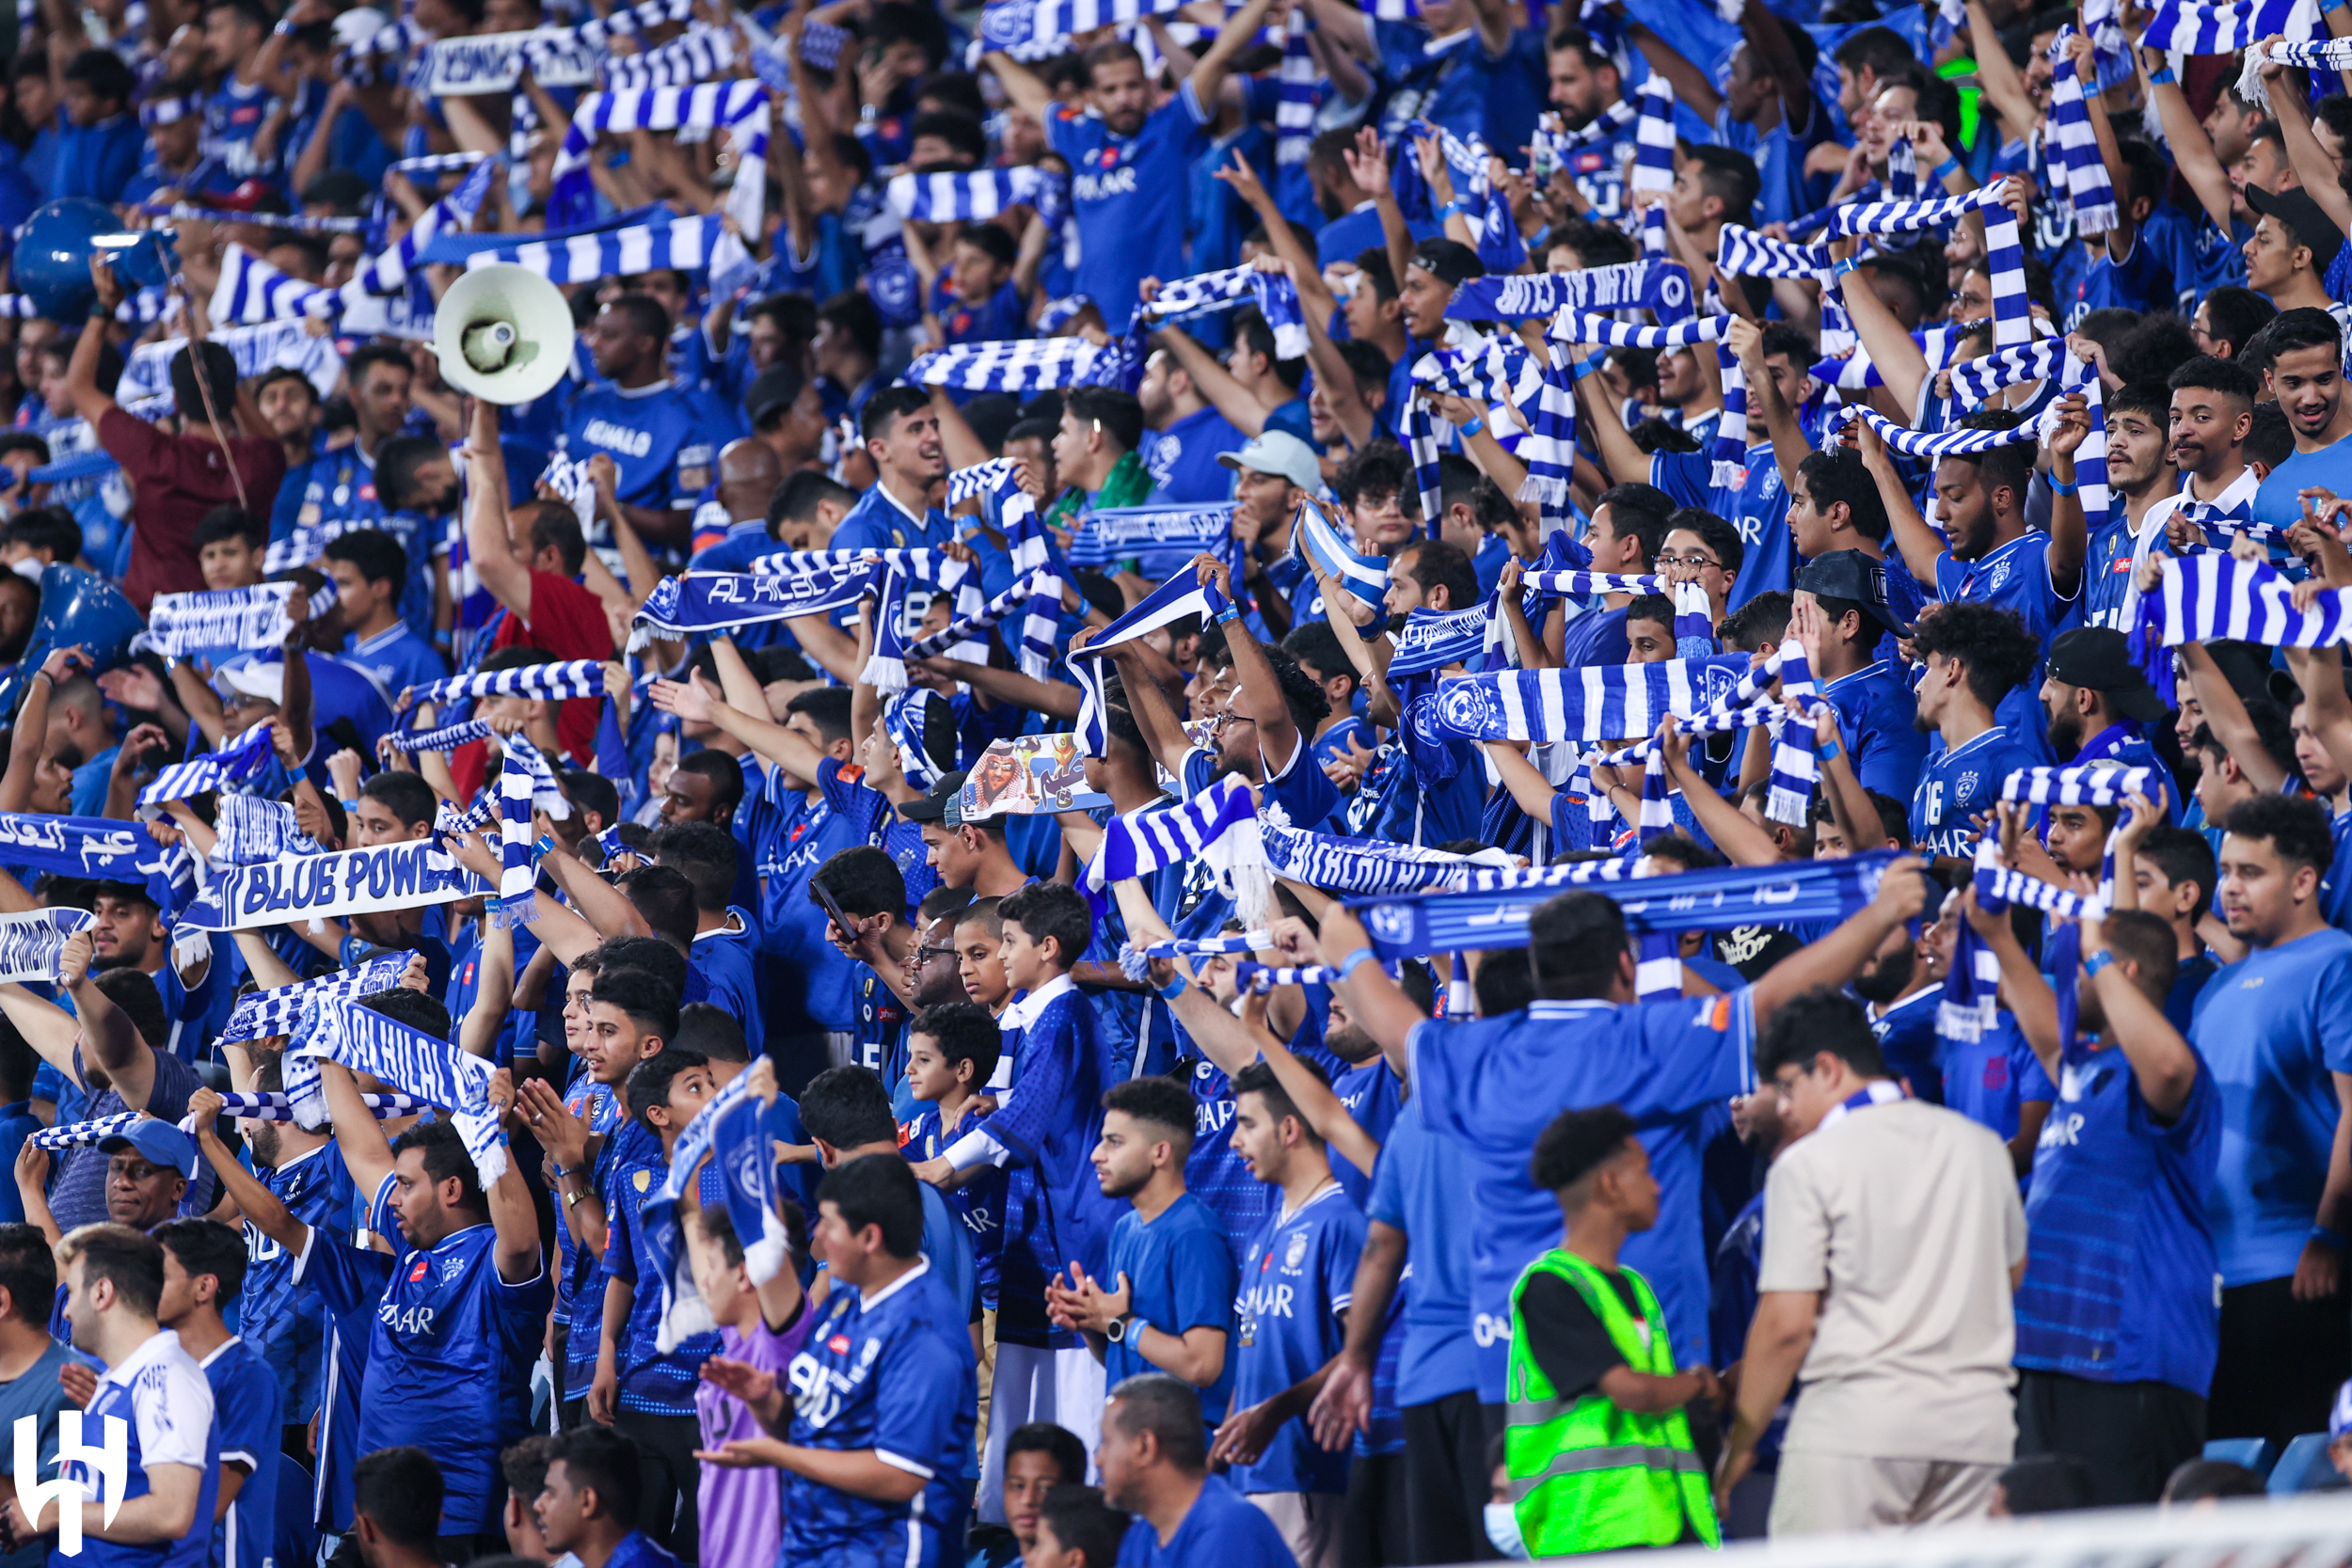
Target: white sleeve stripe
(898, 1462)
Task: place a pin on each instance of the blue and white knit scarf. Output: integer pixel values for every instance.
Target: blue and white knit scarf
(571, 678)
(408, 1060)
(242, 758)
(178, 624)
(732, 1131)
(31, 942)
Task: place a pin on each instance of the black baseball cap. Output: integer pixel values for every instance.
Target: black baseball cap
(772, 391)
(943, 806)
(2305, 219)
(1851, 575)
(2099, 659)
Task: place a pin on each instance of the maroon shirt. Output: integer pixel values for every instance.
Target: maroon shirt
(175, 480)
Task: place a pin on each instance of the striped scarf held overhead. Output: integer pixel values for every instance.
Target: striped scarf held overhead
(699, 55)
(1949, 443)
(407, 1060)
(518, 869)
(1039, 29)
(1024, 365)
(571, 678)
(1556, 141)
(178, 624)
(251, 291)
(248, 831)
(738, 107)
(31, 943)
(2223, 27)
(685, 243)
(2051, 360)
(260, 1014)
(1609, 702)
(2317, 54)
(979, 195)
(2089, 190)
(886, 667)
(1578, 326)
(241, 758)
(1908, 217)
(1298, 84)
(2090, 785)
(2214, 596)
(277, 1106)
(448, 737)
(1654, 139)
(1217, 826)
(1275, 295)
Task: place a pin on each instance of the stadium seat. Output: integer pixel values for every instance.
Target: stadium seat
(2304, 1467)
(2255, 1453)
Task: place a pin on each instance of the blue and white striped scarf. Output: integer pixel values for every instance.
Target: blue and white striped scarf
(979, 195)
(546, 793)
(1660, 286)
(80, 1135)
(2214, 596)
(241, 758)
(1432, 639)
(1317, 539)
(685, 243)
(178, 624)
(1158, 539)
(1906, 217)
(1748, 254)
(1023, 365)
(1728, 469)
(2089, 190)
(408, 1060)
(1032, 30)
(1654, 139)
(979, 478)
(251, 291)
(695, 604)
(2090, 785)
(578, 677)
(1181, 596)
(1949, 443)
(1217, 826)
(260, 1014)
(733, 1130)
(277, 1106)
(1556, 141)
(1187, 947)
(31, 942)
(247, 830)
(1577, 326)
(905, 719)
(1276, 298)
(1605, 701)
(1550, 448)
(886, 667)
(738, 107)
(2199, 27)
(699, 55)
(446, 738)
(2318, 54)
(519, 870)
(631, 20)
(1585, 585)
(2050, 359)
(1298, 84)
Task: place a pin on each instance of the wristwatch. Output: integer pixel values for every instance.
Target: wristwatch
(1120, 1326)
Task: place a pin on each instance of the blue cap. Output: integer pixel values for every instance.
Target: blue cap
(159, 1142)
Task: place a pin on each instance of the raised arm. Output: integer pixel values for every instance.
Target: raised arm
(367, 1153)
(2226, 716)
(109, 1040)
(1022, 86)
(267, 1211)
(2184, 135)
(1278, 738)
(1208, 75)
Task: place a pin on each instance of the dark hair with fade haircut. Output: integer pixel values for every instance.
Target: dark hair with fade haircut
(1652, 607)
(2183, 855)
(1639, 510)
(705, 855)
(2269, 440)
(406, 796)
(1992, 644)
(886, 407)
(397, 463)
(1569, 36)
(652, 956)
(1504, 984)
(230, 521)
(664, 899)
(1575, 942)
(2151, 398)
(1374, 263)
(796, 498)
(442, 1148)
(1054, 911)
(725, 774)
(649, 1081)
(2296, 826)
(1330, 149)
(28, 1272)
(650, 1001)
(1258, 1079)
(1578, 1143)
(2235, 314)
(1108, 52)
(368, 356)
(591, 792)
(2149, 347)
(2146, 939)
(961, 132)
(964, 1031)
(1439, 564)
(648, 315)
(1375, 470)
(207, 1246)
(1729, 176)
(1253, 334)
(420, 1010)
(878, 1190)
(1157, 1403)
(1457, 476)
(1822, 1019)
(1839, 475)
(131, 1259)
(1370, 364)
(45, 528)
(103, 71)
(987, 238)
(1116, 413)
(849, 1108)
(1058, 1442)
(1083, 1521)
(712, 1033)
(1761, 622)
(863, 880)
(134, 991)
(1163, 1103)
(828, 708)
(1791, 342)
(1720, 536)
(2274, 729)
(598, 1459)
(2007, 466)
(2305, 326)
(1596, 244)
(375, 554)
(401, 1490)
(2211, 373)
(1317, 643)
(557, 529)
(524, 1465)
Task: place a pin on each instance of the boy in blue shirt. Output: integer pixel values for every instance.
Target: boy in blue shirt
(1166, 1299)
(1978, 655)
(705, 855)
(1296, 1282)
(952, 1050)
(370, 570)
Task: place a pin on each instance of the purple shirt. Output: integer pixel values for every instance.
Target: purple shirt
(742, 1510)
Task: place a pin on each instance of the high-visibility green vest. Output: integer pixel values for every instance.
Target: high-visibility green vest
(1586, 1475)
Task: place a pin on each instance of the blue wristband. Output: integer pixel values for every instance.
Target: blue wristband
(1829, 751)
(1457, 208)
(1476, 427)
(1951, 166)
(1356, 961)
(2328, 8)
(1587, 365)
(2161, 77)
(1173, 989)
(1842, 268)
(2096, 962)
(1230, 612)
(2061, 488)
(2332, 1238)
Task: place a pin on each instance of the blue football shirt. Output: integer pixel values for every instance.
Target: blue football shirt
(1223, 1527)
(1958, 783)
(651, 1381)
(1423, 1187)
(1126, 197)
(285, 1326)
(656, 436)
(165, 1407)
(1987, 1079)
(1183, 1277)
(250, 1427)
(1296, 1279)
(1875, 711)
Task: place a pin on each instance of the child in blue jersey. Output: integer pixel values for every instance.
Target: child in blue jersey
(707, 855)
(978, 299)
(1975, 654)
(158, 1517)
(1165, 1301)
(204, 1267)
(952, 1051)
(1342, 737)
(1296, 1281)
(883, 1394)
(2128, 1156)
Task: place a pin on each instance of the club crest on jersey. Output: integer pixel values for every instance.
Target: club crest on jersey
(1967, 785)
(1295, 1253)
(2000, 576)
(642, 1181)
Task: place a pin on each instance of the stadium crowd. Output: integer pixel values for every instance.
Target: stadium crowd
(1252, 786)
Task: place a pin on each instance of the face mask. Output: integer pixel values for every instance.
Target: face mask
(29, 568)
(1503, 1528)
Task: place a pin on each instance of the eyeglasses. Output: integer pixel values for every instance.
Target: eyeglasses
(1667, 558)
(924, 955)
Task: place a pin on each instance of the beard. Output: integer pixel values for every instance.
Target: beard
(1115, 1185)
(267, 1143)
(1350, 1044)
(1889, 980)
(2066, 735)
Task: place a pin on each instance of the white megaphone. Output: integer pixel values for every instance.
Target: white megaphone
(503, 333)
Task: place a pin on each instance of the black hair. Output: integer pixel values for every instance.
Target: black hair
(446, 1158)
(1598, 245)
(28, 1272)
(1719, 536)
(1258, 1079)
(401, 1489)
(406, 796)
(2209, 374)
(1168, 1409)
(879, 1190)
(2146, 939)
(397, 463)
(1378, 469)
(368, 356)
(375, 554)
(2047, 1483)
(1840, 475)
(1654, 607)
(2269, 440)
(863, 880)
(662, 896)
(524, 1465)
(1992, 644)
(990, 241)
(1575, 944)
(2296, 826)
(2151, 398)
(849, 1108)
(1578, 1143)
(207, 1246)
(961, 131)
(958, 89)
(2196, 1480)
(2183, 855)
(557, 529)
(1439, 565)
(2306, 327)
(1054, 910)
(964, 1031)
(828, 708)
(1505, 983)
(1819, 1020)
(704, 855)
(2235, 314)
(1059, 1444)
(1251, 332)
(2274, 730)
(796, 498)
(1163, 1102)
(2007, 466)
(102, 70)
(1315, 644)
(1639, 510)
(1370, 365)
(421, 1011)
(1117, 413)
(591, 792)
(1083, 1521)
(712, 1033)
(230, 521)
(649, 1081)
(658, 959)
(725, 774)
(1729, 176)
(650, 1001)
(598, 1459)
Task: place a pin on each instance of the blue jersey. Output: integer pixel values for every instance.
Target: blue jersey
(2272, 1028)
(978, 1204)
(2107, 573)
(651, 1381)
(166, 1407)
(1496, 1084)
(1126, 197)
(250, 1427)
(1296, 1279)
(1958, 783)
(1987, 1079)
(2015, 577)
(2141, 279)
(892, 1375)
(877, 522)
(233, 120)
(449, 1357)
(1875, 710)
(1907, 1038)
(654, 434)
(1183, 1277)
(93, 160)
(1446, 82)
(397, 657)
(2279, 501)
(339, 495)
(724, 954)
(1370, 1095)
(1424, 1188)
(2118, 1255)
(1223, 1527)
(814, 987)
(1212, 1172)
(1759, 510)
(1183, 460)
(285, 1326)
